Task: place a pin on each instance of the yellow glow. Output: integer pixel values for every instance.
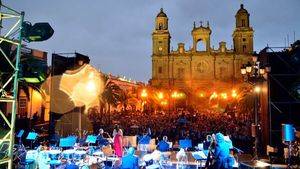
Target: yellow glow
(257, 89)
(224, 96)
(75, 89)
(213, 96)
(233, 94)
(261, 164)
(91, 75)
(201, 95)
(160, 95)
(174, 94)
(164, 103)
(144, 93)
(91, 87)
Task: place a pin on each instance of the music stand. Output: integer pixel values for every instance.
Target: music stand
(186, 143)
(31, 137)
(91, 139)
(145, 140)
(67, 142)
(199, 156)
(19, 136)
(144, 143)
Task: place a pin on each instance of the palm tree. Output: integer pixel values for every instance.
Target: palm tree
(112, 95)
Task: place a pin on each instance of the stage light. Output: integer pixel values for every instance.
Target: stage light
(38, 32)
(257, 89)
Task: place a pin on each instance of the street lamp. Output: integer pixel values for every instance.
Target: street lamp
(255, 74)
(144, 96)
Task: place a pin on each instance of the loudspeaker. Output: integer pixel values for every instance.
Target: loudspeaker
(287, 132)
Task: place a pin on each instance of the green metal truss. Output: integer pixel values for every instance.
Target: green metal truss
(9, 89)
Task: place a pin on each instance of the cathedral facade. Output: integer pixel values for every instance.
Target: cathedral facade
(200, 69)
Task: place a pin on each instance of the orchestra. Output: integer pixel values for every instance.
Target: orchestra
(97, 151)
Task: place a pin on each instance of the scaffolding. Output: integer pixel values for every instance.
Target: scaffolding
(9, 86)
(283, 105)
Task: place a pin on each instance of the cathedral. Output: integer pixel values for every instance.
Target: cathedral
(195, 68)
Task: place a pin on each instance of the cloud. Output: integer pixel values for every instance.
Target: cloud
(116, 34)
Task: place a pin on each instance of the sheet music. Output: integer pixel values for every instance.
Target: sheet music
(199, 155)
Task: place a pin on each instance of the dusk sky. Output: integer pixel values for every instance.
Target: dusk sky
(116, 34)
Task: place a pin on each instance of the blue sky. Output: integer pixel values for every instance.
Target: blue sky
(116, 34)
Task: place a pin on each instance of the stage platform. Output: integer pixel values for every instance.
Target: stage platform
(261, 165)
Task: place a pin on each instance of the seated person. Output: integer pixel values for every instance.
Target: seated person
(207, 142)
(163, 145)
(143, 143)
(144, 139)
(130, 161)
(102, 141)
(181, 156)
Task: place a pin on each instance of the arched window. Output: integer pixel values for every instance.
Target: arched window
(160, 26)
(201, 45)
(243, 23)
(244, 48)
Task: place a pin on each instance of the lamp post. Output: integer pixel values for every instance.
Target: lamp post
(255, 74)
(174, 96)
(144, 96)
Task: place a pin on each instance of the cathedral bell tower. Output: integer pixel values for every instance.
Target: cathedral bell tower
(161, 36)
(243, 33)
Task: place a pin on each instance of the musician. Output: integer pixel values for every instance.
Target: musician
(207, 143)
(143, 142)
(102, 141)
(130, 161)
(163, 145)
(118, 143)
(222, 152)
(181, 155)
(83, 138)
(54, 140)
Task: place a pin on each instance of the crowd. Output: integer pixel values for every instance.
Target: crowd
(180, 124)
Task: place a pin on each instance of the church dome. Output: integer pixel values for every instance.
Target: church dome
(161, 13)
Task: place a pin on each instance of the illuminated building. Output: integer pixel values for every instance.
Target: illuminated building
(197, 68)
(33, 69)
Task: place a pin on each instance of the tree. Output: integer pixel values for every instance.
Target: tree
(112, 95)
